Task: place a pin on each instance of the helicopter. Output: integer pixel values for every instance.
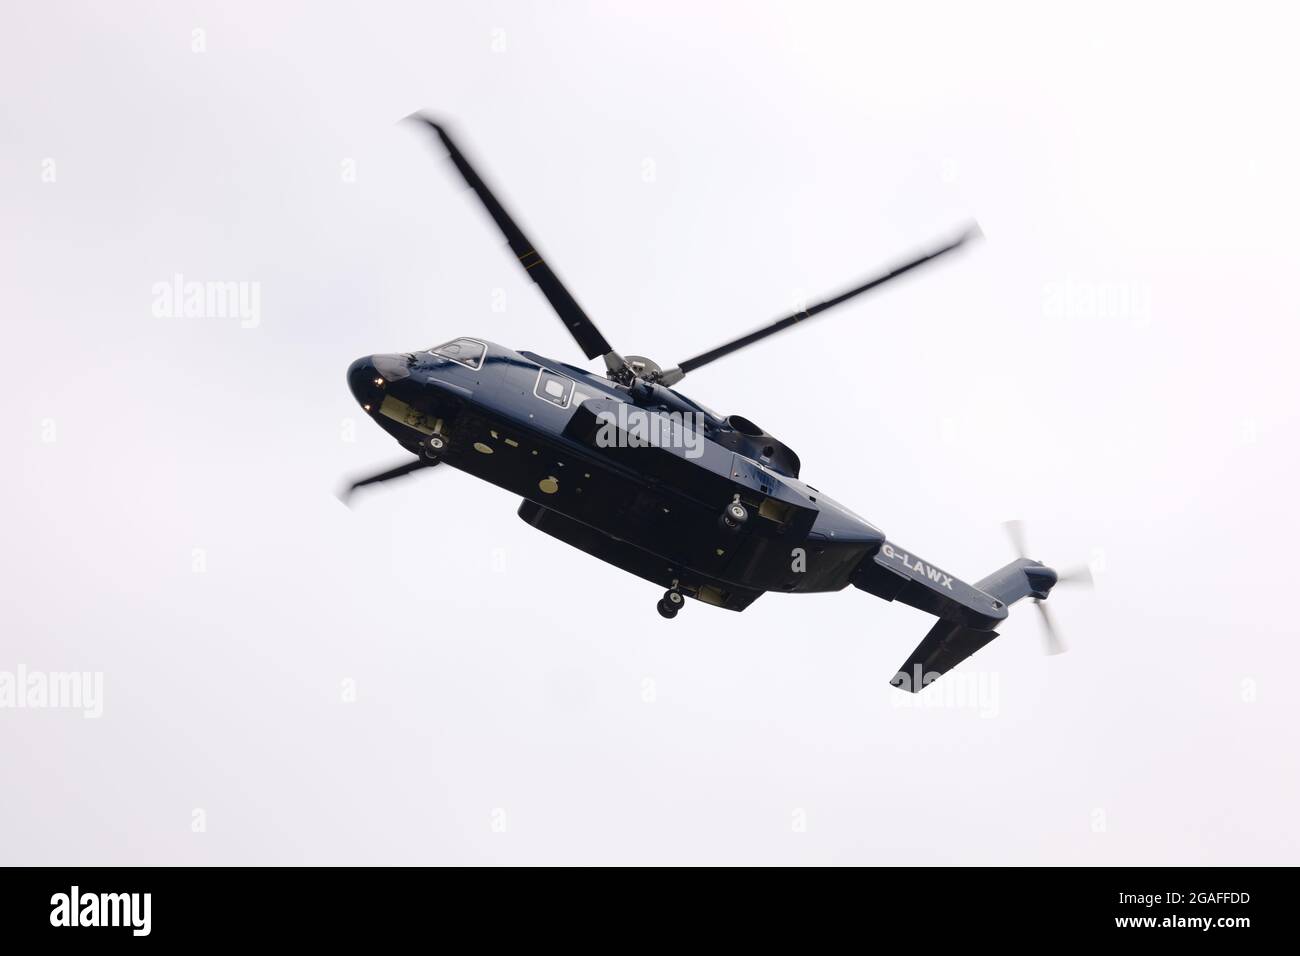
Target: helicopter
(626, 468)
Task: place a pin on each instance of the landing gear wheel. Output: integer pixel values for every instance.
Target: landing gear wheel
(670, 604)
(434, 446)
(734, 516)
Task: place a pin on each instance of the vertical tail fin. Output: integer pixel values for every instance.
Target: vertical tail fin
(946, 646)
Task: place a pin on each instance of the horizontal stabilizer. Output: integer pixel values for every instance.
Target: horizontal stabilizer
(946, 646)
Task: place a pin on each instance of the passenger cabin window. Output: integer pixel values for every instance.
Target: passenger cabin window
(467, 352)
(553, 388)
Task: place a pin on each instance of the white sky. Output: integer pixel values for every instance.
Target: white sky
(692, 171)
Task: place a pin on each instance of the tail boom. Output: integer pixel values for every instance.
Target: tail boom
(967, 613)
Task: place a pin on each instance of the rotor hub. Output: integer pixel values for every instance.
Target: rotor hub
(643, 367)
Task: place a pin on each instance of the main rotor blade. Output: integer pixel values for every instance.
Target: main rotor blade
(398, 472)
(583, 330)
(734, 345)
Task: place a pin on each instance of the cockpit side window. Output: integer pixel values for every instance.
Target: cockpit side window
(553, 388)
(467, 352)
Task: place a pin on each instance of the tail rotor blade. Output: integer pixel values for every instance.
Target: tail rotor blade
(1054, 643)
(1016, 532)
(1078, 576)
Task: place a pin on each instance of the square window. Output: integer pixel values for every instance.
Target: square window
(553, 388)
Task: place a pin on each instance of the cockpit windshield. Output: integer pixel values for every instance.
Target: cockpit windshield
(467, 352)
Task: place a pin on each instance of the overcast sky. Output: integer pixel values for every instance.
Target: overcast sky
(425, 678)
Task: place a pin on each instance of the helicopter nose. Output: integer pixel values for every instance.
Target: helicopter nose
(365, 381)
(369, 376)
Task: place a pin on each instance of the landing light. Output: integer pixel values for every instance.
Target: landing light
(379, 382)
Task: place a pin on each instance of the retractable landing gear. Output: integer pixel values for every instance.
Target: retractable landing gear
(434, 446)
(733, 516)
(670, 604)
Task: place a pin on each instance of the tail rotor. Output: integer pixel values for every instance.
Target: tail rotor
(1080, 575)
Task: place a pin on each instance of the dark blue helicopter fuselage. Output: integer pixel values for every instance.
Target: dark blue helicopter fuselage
(638, 476)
